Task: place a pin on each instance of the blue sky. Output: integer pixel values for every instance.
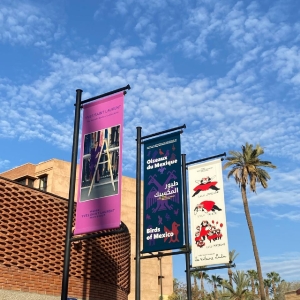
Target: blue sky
(229, 70)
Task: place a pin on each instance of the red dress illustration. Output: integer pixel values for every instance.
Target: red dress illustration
(207, 206)
(205, 184)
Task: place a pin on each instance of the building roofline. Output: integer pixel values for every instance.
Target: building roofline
(16, 167)
(32, 188)
(42, 162)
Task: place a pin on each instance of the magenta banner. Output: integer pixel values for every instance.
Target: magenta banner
(99, 188)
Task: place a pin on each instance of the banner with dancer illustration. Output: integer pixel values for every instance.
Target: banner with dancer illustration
(99, 188)
(207, 214)
(163, 227)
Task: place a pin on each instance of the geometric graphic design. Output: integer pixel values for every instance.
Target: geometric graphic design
(162, 194)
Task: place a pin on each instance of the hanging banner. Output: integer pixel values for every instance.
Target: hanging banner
(99, 188)
(207, 214)
(163, 226)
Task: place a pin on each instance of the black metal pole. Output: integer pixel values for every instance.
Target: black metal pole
(160, 278)
(186, 228)
(65, 278)
(138, 215)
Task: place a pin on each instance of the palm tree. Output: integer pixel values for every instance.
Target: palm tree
(247, 168)
(268, 284)
(257, 287)
(203, 275)
(232, 257)
(216, 282)
(195, 275)
(240, 291)
(223, 283)
(275, 278)
(253, 278)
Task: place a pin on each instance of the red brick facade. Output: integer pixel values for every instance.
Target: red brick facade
(32, 234)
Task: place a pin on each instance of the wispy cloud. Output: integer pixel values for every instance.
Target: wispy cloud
(4, 163)
(285, 264)
(25, 24)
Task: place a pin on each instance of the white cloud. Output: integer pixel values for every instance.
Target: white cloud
(4, 163)
(286, 264)
(292, 215)
(220, 112)
(232, 224)
(24, 23)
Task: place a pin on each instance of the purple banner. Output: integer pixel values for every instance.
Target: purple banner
(99, 188)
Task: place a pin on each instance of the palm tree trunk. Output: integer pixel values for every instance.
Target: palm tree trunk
(195, 281)
(267, 292)
(252, 287)
(252, 235)
(230, 276)
(216, 291)
(202, 284)
(274, 288)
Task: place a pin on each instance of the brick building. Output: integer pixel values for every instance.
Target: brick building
(33, 220)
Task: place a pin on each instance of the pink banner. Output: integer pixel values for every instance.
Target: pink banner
(99, 188)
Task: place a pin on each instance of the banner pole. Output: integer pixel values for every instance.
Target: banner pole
(138, 215)
(186, 228)
(65, 278)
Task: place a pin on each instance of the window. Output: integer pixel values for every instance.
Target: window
(26, 181)
(43, 183)
(22, 181)
(30, 182)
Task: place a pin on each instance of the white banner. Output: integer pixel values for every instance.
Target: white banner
(207, 212)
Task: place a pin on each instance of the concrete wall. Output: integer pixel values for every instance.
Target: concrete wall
(14, 295)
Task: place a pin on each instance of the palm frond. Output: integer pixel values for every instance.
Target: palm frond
(247, 167)
(266, 164)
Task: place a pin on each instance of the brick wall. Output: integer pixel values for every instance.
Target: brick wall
(26, 169)
(32, 233)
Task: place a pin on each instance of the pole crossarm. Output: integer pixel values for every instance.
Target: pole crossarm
(127, 87)
(213, 268)
(162, 132)
(206, 158)
(151, 255)
(123, 228)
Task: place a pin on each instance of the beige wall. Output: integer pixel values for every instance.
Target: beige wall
(150, 289)
(58, 172)
(291, 296)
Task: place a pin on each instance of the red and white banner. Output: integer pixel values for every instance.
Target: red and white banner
(99, 188)
(207, 213)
